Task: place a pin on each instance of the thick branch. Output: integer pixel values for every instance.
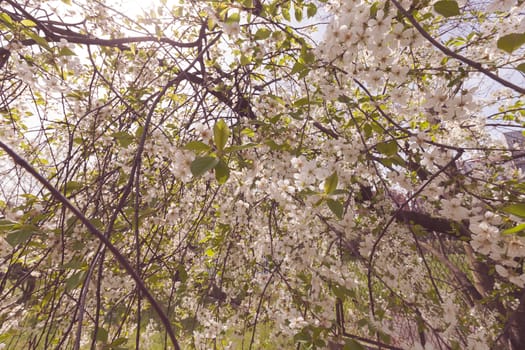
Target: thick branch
(430, 223)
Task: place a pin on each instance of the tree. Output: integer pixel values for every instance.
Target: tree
(215, 174)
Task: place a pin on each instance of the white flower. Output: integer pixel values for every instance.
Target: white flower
(231, 29)
(485, 237)
(297, 323)
(453, 209)
(203, 131)
(515, 247)
(450, 310)
(502, 271)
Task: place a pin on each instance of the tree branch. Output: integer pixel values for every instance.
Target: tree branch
(99, 235)
(450, 53)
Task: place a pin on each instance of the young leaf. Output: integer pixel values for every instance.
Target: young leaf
(336, 207)
(515, 229)
(38, 39)
(197, 146)
(102, 334)
(28, 23)
(387, 148)
(515, 209)
(22, 235)
(511, 42)
(222, 172)
(233, 18)
(221, 133)
(330, 184)
(202, 164)
(298, 13)
(6, 225)
(447, 8)
(286, 14)
(123, 138)
(262, 33)
(311, 10)
(351, 344)
(4, 17)
(75, 280)
(66, 51)
(236, 148)
(245, 60)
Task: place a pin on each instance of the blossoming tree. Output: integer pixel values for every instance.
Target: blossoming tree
(261, 174)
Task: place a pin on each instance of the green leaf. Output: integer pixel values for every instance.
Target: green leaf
(202, 164)
(515, 209)
(236, 148)
(302, 337)
(28, 23)
(301, 102)
(286, 14)
(308, 56)
(262, 33)
(4, 17)
(183, 274)
(139, 132)
(21, 235)
(298, 67)
(233, 18)
(221, 133)
(311, 10)
(197, 146)
(351, 344)
(330, 184)
(298, 13)
(248, 132)
(387, 148)
(123, 138)
(38, 39)
(515, 229)
(447, 8)
(74, 281)
(511, 42)
(66, 51)
(102, 334)
(245, 60)
(341, 291)
(336, 207)
(521, 67)
(73, 186)
(6, 225)
(222, 172)
(119, 341)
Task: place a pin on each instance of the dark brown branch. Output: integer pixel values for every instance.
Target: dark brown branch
(118, 42)
(326, 130)
(430, 223)
(55, 34)
(514, 326)
(450, 53)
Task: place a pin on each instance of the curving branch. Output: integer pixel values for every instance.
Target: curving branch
(53, 33)
(450, 53)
